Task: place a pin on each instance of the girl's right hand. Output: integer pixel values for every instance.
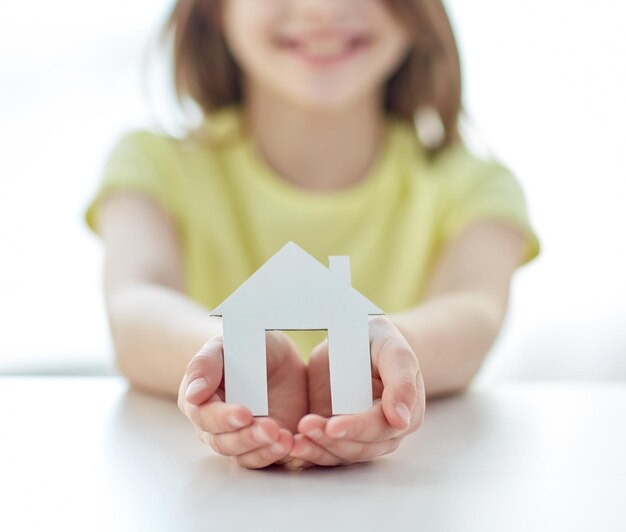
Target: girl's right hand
(230, 429)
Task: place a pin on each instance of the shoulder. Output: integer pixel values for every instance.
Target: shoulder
(186, 152)
(167, 157)
(216, 132)
(476, 187)
(460, 161)
(452, 171)
(152, 142)
(456, 159)
(141, 148)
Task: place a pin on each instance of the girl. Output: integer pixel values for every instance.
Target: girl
(309, 135)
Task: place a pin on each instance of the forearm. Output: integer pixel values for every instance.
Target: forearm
(156, 331)
(451, 335)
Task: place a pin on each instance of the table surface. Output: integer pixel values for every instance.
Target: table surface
(94, 454)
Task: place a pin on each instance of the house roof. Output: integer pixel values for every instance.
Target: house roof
(293, 274)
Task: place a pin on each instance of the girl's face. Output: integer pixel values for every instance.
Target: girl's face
(317, 54)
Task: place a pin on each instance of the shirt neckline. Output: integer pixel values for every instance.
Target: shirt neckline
(225, 127)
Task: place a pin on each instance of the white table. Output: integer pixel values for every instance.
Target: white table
(90, 454)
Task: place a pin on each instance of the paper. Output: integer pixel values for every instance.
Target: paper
(293, 291)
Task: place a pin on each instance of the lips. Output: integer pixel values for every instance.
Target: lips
(324, 48)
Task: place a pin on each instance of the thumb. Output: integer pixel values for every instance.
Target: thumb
(318, 373)
(399, 372)
(204, 372)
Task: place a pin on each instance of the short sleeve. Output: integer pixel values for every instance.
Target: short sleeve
(138, 163)
(478, 189)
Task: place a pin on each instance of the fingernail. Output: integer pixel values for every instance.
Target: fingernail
(261, 436)
(236, 422)
(277, 448)
(296, 463)
(306, 451)
(196, 386)
(333, 433)
(404, 413)
(303, 452)
(315, 434)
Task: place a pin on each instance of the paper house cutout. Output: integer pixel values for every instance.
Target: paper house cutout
(293, 291)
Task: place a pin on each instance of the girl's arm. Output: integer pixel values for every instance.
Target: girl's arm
(156, 329)
(434, 348)
(465, 304)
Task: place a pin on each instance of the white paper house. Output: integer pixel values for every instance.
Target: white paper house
(293, 291)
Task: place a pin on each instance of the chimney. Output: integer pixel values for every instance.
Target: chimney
(340, 265)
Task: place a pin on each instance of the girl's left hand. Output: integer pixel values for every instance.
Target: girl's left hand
(398, 410)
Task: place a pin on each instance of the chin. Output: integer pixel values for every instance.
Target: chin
(326, 102)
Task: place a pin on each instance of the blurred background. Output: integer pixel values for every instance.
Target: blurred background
(545, 83)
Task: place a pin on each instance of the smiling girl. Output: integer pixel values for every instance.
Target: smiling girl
(309, 134)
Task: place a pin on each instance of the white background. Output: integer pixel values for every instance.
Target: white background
(545, 82)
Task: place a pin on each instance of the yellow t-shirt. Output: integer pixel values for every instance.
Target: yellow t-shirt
(233, 212)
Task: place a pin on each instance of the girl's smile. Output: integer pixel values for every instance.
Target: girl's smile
(325, 48)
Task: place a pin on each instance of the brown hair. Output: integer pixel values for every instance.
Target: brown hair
(429, 77)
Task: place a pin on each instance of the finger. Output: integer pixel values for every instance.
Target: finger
(369, 426)
(217, 417)
(312, 422)
(323, 450)
(268, 455)
(319, 381)
(398, 369)
(203, 374)
(262, 432)
(297, 463)
(305, 451)
(312, 428)
(286, 461)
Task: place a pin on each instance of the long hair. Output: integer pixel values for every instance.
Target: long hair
(429, 78)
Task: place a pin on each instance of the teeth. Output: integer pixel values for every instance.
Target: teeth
(324, 48)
